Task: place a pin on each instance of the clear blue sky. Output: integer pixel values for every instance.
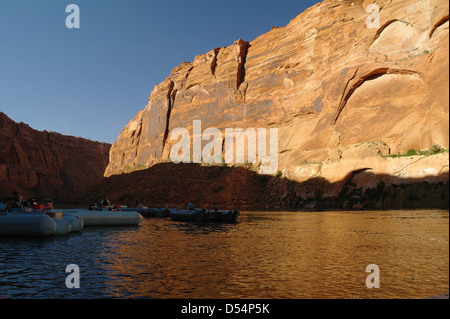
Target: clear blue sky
(90, 82)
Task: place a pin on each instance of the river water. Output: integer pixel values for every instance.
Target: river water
(267, 255)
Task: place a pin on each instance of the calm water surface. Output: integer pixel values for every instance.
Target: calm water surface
(282, 255)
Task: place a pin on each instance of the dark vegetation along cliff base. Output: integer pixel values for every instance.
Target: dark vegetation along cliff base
(240, 187)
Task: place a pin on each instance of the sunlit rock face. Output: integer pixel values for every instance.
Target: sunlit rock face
(341, 91)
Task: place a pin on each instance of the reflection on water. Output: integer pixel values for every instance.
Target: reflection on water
(283, 255)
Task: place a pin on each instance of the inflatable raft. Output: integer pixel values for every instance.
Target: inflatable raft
(226, 216)
(27, 224)
(196, 215)
(62, 227)
(73, 219)
(107, 218)
(202, 215)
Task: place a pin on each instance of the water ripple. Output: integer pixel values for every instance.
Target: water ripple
(284, 255)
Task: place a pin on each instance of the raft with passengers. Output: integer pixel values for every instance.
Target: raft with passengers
(194, 214)
(39, 220)
(190, 214)
(44, 220)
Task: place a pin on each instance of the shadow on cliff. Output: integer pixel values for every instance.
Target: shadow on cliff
(240, 187)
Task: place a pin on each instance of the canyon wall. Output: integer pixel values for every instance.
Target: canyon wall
(47, 164)
(343, 95)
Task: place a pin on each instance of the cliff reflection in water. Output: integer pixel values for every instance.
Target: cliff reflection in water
(283, 255)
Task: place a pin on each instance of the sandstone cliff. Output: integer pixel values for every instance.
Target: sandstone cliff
(340, 93)
(47, 164)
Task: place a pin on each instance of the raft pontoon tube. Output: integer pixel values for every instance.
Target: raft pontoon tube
(27, 224)
(74, 220)
(227, 216)
(107, 218)
(62, 227)
(196, 215)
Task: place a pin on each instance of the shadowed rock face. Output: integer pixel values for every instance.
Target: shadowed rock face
(340, 93)
(240, 187)
(47, 164)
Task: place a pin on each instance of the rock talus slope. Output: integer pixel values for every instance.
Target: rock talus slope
(340, 93)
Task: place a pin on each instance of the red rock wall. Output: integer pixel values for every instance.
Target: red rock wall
(47, 164)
